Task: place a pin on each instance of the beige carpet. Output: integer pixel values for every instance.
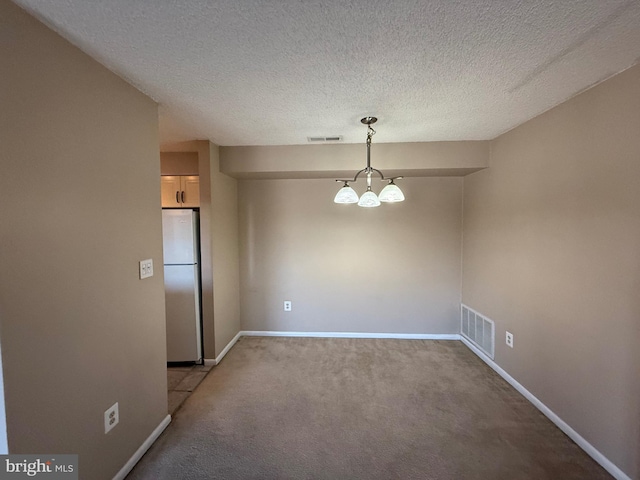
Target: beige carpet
(309, 408)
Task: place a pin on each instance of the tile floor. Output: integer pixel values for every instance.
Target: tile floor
(182, 381)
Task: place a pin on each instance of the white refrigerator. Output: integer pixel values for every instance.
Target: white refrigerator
(182, 285)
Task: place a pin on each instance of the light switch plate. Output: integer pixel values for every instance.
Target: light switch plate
(146, 268)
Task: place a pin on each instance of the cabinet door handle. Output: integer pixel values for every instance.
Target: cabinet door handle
(177, 197)
(183, 196)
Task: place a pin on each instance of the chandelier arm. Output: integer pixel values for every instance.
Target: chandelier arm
(355, 179)
(378, 172)
(358, 174)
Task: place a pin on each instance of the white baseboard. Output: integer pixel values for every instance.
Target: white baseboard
(406, 336)
(124, 471)
(228, 347)
(270, 333)
(607, 464)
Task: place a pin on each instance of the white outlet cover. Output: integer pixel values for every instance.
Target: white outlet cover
(111, 417)
(509, 339)
(287, 305)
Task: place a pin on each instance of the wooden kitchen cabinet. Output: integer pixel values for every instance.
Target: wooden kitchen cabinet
(180, 191)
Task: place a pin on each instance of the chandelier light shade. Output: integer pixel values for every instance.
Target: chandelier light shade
(369, 199)
(346, 195)
(389, 194)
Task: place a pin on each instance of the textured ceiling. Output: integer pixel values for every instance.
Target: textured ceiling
(242, 72)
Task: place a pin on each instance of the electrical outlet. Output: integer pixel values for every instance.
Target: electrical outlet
(509, 339)
(146, 268)
(111, 417)
(287, 305)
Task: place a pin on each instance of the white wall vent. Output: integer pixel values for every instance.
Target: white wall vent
(478, 329)
(334, 138)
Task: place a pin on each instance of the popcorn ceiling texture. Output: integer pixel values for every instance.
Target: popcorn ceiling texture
(240, 72)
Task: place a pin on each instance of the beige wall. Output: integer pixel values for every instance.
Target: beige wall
(551, 253)
(179, 163)
(420, 159)
(203, 149)
(4, 446)
(80, 183)
(395, 268)
(225, 253)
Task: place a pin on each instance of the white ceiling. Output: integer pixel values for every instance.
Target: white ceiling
(267, 72)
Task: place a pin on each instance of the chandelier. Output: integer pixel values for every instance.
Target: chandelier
(389, 194)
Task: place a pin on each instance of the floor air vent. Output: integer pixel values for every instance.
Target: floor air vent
(478, 329)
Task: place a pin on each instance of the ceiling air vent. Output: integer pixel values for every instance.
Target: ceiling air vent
(334, 138)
